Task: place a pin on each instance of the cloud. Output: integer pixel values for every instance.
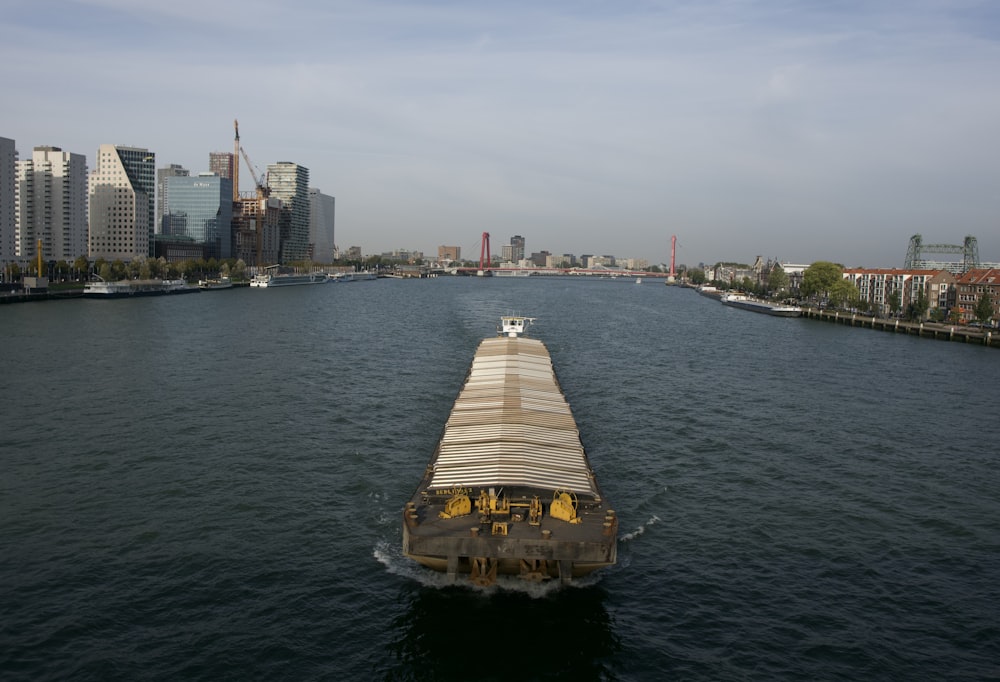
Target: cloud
(745, 128)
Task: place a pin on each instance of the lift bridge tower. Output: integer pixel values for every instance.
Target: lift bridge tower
(916, 255)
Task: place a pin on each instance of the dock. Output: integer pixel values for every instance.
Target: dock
(929, 330)
(509, 489)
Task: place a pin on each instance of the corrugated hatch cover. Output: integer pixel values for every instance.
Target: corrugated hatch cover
(511, 425)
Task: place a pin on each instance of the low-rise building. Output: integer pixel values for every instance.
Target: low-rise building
(876, 287)
(971, 286)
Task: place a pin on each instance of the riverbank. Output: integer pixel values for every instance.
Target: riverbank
(930, 330)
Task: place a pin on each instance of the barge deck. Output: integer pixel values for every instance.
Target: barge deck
(509, 489)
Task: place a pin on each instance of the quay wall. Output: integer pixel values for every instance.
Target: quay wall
(930, 330)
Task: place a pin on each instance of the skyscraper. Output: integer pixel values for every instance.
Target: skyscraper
(201, 210)
(517, 248)
(163, 195)
(321, 224)
(51, 205)
(8, 161)
(221, 163)
(122, 210)
(290, 183)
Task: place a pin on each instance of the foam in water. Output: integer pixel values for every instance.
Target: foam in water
(628, 537)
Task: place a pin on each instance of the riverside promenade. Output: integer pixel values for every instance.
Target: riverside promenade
(931, 330)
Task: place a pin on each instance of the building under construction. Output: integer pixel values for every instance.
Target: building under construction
(256, 215)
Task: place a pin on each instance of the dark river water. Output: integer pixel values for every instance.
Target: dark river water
(209, 487)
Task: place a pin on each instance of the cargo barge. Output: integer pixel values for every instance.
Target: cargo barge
(509, 489)
(757, 306)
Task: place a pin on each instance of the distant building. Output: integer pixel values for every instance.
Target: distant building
(449, 253)
(8, 161)
(876, 287)
(970, 288)
(122, 210)
(289, 182)
(163, 195)
(516, 248)
(353, 253)
(201, 212)
(322, 213)
(540, 259)
(51, 205)
(795, 273)
(404, 255)
(221, 163)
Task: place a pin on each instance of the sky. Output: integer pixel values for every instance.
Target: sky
(801, 130)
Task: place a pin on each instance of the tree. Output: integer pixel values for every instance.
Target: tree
(917, 310)
(984, 308)
(777, 280)
(895, 302)
(819, 277)
(842, 294)
(81, 265)
(697, 276)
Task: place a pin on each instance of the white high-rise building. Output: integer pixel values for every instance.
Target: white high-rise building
(321, 222)
(51, 205)
(8, 163)
(122, 210)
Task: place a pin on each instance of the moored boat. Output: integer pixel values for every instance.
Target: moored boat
(128, 288)
(748, 303)
(509, 489)
(222, 283)
(270, 280)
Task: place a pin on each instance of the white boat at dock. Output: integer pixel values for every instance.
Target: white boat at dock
(209, 284)
(140, 287)
(272, 280)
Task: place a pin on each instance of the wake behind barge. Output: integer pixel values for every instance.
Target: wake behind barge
(509, 489)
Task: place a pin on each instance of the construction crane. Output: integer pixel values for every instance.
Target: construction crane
(259, 179)
(236, 162)
(262, 189)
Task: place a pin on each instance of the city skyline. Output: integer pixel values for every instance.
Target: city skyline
(774, 129)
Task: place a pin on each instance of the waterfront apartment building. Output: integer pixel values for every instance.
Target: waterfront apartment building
(163, 195)
(876, 287)
(8, 164)
(289, 182)
(201, 212)
(122, 208)
(971, 286)
(50, 205)
(322, 213)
